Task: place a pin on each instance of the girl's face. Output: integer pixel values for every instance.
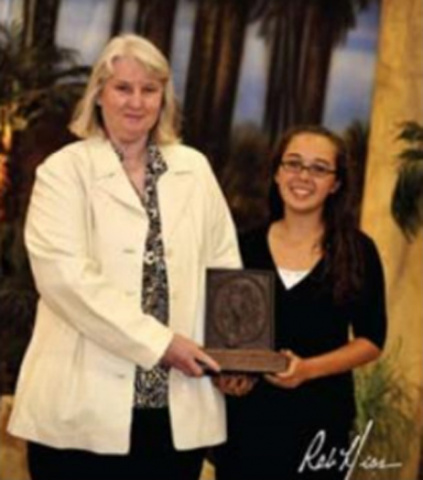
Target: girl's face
(307, 174)
(131, 101)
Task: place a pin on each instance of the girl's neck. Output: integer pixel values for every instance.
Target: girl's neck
(300, 227)
(296, 243)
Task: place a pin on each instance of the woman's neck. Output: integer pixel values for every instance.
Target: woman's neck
(130, 152)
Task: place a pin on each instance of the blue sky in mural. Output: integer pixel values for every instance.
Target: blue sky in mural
(350, 86)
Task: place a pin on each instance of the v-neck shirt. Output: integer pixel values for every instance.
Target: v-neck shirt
(309, 322)
(290, 278)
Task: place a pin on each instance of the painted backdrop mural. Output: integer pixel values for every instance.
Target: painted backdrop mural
(244, 71)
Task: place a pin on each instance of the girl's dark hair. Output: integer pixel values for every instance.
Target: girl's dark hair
(340, 240)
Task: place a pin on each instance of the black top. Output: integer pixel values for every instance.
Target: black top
(308, 322)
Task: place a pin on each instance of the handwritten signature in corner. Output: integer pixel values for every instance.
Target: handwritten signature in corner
(342, 459)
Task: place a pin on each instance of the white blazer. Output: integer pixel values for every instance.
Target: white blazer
(85, 234)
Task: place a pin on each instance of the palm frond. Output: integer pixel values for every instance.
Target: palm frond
(33, 78)
(407, 198)
(411, 132)
(411, 154)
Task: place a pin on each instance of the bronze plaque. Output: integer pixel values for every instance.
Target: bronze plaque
(240, 320)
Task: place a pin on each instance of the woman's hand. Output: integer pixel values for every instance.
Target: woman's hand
(188, 357)
(234, 384)
(296, 374)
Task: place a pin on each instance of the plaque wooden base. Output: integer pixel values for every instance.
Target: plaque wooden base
(259, 361)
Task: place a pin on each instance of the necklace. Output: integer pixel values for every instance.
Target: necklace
(119, 151)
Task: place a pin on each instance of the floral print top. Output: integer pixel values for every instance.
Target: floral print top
(151, 387)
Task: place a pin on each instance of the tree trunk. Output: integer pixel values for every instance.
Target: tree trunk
(117, 17)
(398, 97)
(318, 41)
(155, 20)
(201, 73)
(234, 21)
(213, 75)
(274, 102)
(40, 19)
(301, 36)
(285, 36)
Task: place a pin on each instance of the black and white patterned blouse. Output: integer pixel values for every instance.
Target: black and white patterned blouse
(151, 387)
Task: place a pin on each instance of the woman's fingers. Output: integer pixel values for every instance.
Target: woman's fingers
(207, 362)
(186, 356)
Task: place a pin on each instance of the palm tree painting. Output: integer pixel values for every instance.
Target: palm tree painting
(298, 40)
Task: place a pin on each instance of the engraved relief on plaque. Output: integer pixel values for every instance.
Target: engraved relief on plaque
(239, 309)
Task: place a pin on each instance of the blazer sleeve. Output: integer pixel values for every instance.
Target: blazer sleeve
(223, 251)
(370, 316)
(69, 281)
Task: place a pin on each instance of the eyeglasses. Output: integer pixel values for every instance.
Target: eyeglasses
(314, 169)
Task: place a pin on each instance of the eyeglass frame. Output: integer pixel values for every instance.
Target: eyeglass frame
(314, 169)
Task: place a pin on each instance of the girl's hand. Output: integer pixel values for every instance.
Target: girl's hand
(296, 374)
(234, 384)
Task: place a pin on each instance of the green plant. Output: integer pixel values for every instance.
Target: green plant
(407, 199)
(39, 84)
(386, 397)
(18, 299)
(34, 79)
(245, 177)
(38, 81)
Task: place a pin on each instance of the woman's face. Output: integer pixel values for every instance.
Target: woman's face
(130, 100)
(306, 190)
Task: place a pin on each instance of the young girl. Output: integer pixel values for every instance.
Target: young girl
(296, 424)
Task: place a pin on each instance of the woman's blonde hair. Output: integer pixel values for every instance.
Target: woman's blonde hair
(87, 119)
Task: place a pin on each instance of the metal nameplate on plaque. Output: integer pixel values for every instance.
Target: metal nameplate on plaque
(240, 320)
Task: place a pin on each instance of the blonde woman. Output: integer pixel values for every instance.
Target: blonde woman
(121, 228)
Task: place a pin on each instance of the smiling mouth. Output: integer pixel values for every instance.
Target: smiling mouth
(133, 119)
(301, 192)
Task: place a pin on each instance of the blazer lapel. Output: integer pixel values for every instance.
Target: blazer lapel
(110, 176)
(175, 189)
(174, 186)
